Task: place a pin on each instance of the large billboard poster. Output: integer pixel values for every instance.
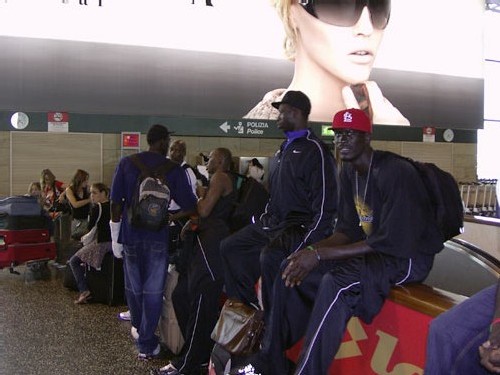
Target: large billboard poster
(411, 62)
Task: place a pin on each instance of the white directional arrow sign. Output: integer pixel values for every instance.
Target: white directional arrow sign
(225, 127)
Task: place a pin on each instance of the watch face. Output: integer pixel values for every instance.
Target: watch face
(19, 120)
(448, 135)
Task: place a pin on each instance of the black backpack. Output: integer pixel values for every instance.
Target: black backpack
(251, 201)
(444, 195)
(149, 206)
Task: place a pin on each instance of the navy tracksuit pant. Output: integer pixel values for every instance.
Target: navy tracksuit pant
(249, 254)
(197, 299)
(321, 306)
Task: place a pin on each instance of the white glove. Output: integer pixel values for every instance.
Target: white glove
(115, 231)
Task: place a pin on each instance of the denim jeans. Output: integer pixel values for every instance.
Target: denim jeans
(145, 267)
(79, 273)
(455, 336)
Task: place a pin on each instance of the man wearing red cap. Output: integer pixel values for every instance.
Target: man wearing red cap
(385, 235)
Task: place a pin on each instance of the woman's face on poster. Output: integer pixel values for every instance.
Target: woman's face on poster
(347, 53)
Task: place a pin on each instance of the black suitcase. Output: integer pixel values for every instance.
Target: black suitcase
(18, 222)
(66, 247)
(107, 285)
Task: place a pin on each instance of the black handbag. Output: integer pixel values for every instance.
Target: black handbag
(63, 207)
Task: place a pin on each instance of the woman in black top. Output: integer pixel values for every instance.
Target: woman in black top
(79, 198)
(93, 253)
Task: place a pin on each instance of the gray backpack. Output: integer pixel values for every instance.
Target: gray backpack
(149, 206)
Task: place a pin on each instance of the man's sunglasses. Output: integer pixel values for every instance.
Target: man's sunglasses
(347, 12)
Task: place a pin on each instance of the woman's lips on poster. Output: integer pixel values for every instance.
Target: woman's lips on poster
(361, 56)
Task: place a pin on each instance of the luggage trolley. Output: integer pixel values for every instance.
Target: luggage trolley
(24, 234)
(466, 193)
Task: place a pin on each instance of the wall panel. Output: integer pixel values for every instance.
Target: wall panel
(63, 154)
(4, 163)
(440, 154)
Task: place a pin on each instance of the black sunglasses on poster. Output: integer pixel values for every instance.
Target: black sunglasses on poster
(347, 12)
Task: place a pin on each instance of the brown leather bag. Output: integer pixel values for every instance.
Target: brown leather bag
(239, 328)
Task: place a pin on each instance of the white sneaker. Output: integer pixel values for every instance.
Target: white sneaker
(124, 315)
(154, 355)
(134, 333)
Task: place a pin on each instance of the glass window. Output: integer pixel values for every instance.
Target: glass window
(488, 142)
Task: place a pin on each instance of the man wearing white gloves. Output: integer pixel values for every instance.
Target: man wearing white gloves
(115, 232)
(145, 251)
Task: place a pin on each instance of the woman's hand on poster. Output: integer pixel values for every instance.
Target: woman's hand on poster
(383, 111)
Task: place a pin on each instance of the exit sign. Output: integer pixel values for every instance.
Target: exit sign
(326, 131)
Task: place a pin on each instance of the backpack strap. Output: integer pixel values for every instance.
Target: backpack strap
(100, 212)
(136, 160)
(164, 168)
(161, 170)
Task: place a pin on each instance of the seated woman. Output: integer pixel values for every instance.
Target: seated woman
(79, 198)
(93, 253)
(35, 191)
(51, 191)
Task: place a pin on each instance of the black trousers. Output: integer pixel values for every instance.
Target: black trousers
(253, 252)
(197, 297)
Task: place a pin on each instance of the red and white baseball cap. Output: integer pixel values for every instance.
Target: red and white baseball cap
(352, 118)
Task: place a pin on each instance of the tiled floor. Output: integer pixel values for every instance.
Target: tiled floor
(43, 332)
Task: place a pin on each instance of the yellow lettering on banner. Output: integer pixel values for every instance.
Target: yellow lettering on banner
(382, 356)
(350, 348)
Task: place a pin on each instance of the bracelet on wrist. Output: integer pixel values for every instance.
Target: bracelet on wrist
(312, 248)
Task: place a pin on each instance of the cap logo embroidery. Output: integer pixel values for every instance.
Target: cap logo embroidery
(347, 117)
